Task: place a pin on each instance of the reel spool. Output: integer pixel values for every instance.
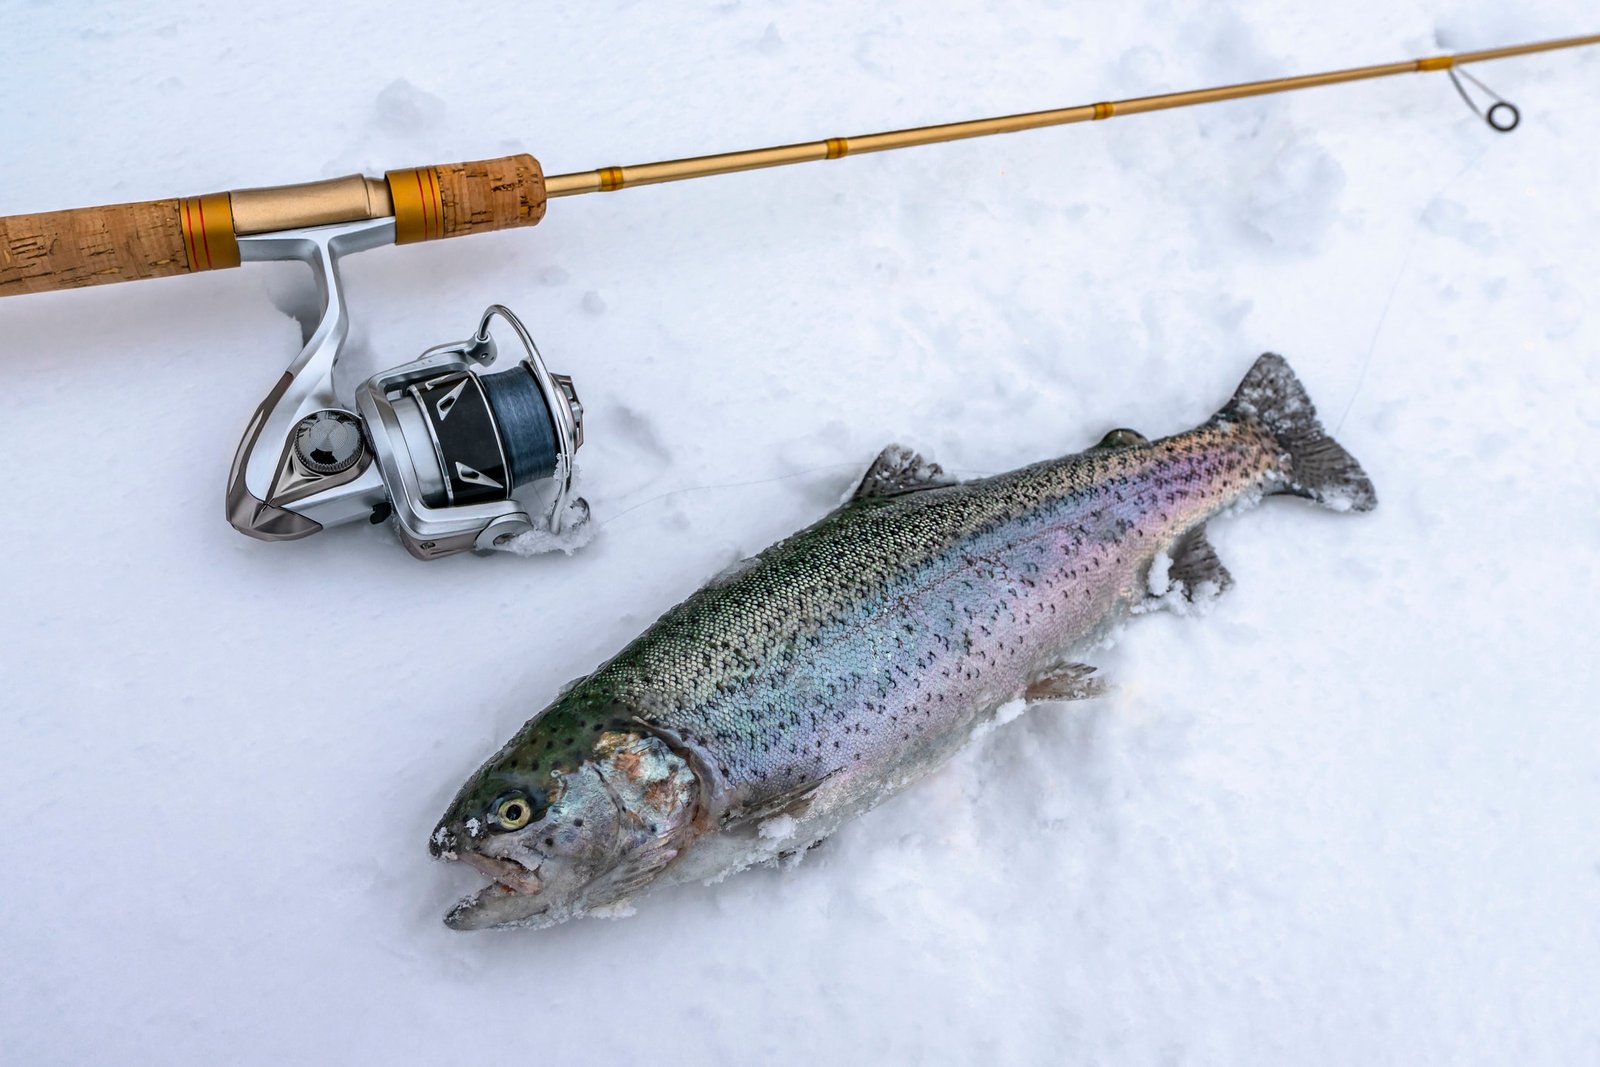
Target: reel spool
(437, 443)
(453, 444)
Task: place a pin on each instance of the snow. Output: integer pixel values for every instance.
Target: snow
(1008, 712)
(777, 828)
(1159, 581)
(1346, 817)
(578, 531)
(1163, 593)
(1171, 596)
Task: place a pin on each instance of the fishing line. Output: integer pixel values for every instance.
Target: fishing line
(1383, 316)
(963, 472)
(1377, 330)
(728, 485)
(1502, 115)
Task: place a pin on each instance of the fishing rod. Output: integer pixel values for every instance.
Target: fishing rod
(437, 443)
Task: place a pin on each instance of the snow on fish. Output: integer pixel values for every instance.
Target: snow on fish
(805, 686)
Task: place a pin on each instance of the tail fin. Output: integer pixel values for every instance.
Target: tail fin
(1319, 468)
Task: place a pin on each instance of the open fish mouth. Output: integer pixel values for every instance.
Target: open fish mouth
(507, 874)
(510, 899)
(515, 893)
(498, 904)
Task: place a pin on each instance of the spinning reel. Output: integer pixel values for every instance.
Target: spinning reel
(437, 443)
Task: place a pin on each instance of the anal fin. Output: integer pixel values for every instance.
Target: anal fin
(1196, 572)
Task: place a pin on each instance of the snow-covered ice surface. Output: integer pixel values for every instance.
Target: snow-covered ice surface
(1347, 816)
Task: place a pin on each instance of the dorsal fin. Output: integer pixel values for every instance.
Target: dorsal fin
(1122, 437)
(899, 470)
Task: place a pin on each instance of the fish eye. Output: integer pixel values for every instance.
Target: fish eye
(513, 811)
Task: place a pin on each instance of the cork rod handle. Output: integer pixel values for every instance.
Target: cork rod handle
(120, 242)
(158, 238)
(457, 198)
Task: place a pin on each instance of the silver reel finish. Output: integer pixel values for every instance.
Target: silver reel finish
(436, 443)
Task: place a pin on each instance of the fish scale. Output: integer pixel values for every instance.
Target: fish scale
(821, 675)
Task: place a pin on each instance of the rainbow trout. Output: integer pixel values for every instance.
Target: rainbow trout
(808, 683)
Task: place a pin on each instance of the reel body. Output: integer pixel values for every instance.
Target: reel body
(437, 443)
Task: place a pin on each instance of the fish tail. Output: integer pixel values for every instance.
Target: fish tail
(1319, 467)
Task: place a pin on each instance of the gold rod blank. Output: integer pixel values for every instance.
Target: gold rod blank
(607, 179)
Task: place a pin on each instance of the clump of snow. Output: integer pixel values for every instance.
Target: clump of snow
(1159, 581)
(1198, 602)
(777, 828)
(577, 533)
(732, 571)
(622, 909)
(1164, 594)
(1010, 711)
(1323, 826)
(1336, 498)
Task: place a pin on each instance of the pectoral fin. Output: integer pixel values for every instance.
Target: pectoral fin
(794, 803)
(1070, 681)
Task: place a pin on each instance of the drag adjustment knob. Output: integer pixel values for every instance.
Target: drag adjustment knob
(328, 441)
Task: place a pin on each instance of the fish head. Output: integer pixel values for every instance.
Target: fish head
(539, 842)
(558, 841)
